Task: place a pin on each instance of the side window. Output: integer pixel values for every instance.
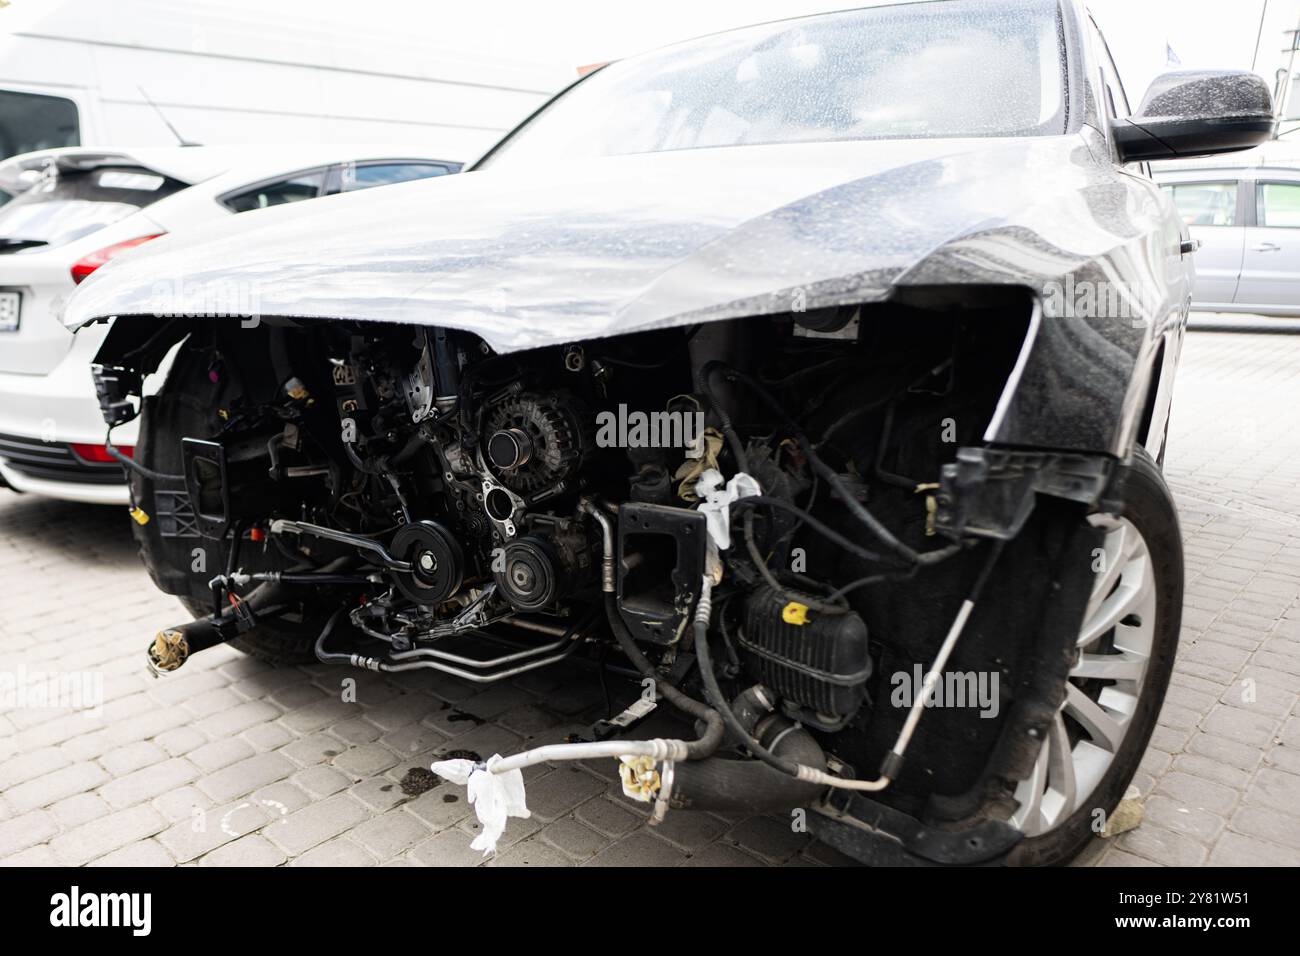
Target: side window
(364, 176)
(1278, 204)
(301, 186)
(1205, 204)
(30, 121)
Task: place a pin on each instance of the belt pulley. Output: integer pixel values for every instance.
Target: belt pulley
(436, 559)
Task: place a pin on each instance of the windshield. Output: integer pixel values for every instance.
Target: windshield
(64, 207)
(956, 68)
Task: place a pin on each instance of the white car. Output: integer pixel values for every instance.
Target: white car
(73, 210)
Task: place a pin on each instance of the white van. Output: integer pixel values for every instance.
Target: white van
(90, 73)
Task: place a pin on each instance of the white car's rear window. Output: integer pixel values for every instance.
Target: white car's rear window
(63, 206)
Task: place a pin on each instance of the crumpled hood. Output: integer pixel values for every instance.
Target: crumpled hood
(609, 246)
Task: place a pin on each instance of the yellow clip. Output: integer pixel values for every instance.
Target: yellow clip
(795, 613)
(140, 516)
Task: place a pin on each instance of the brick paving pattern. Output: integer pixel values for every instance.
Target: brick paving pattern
(231, 762)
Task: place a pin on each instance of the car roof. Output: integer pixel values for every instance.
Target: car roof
(195, 164)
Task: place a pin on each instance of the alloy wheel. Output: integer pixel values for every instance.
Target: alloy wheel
(1114, 650)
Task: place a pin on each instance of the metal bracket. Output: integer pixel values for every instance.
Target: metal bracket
(637, 711)
(989, 492)
(657, 602)
(420, 387)
(113, 386)
(206, 485)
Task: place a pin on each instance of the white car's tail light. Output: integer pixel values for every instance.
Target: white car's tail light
(88, 264)
(98, 454)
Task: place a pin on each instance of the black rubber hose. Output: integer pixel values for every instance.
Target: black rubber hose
(760, 565)
(134, 465)
(732, 785)
(874, 525)
(753, 501)
(728, 429)
(380, 469)
(205, 632)
(312, 578)
(714, 729)
(199, 634)
(363, 466)
(713, 693)
(922, 558)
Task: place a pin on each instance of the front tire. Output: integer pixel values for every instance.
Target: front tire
(1126, 646)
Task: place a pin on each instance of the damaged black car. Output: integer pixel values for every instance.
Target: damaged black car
(820, 369)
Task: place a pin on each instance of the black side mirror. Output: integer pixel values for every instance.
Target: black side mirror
(1197, 113)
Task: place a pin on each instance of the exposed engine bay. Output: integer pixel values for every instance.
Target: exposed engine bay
(770, 519)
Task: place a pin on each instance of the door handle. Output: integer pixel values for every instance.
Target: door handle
(1188, 246)
(1265, 247)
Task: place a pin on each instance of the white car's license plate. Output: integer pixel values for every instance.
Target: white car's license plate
(9, 308)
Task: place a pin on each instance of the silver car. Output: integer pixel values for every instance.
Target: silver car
(1247, 219)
